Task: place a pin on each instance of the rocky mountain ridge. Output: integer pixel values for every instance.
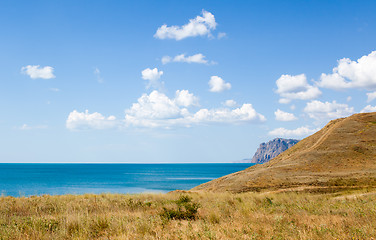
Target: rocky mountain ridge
(271, 149)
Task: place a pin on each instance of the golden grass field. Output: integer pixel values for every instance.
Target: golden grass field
(350, 214)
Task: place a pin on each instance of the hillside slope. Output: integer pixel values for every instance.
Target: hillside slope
(343, 153)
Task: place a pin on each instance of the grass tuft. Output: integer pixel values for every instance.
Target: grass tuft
(185, 209)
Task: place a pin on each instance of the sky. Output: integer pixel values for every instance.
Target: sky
(177, 81)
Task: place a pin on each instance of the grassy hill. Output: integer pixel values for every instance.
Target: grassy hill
(342, 154)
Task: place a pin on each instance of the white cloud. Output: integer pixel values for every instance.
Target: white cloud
(299, 132)
(197, 58)
(152, 76)
(295, 87)
(284, 116)
(84, 120)
(28, 127)
(35, 71)
(25, 127)
(200, 26)
(221, 35)
(156, 105)
(185, 99)
(371, 96)
(324, 111)
(217, 84)
(54, 89)
(333, 81)
(166, 59)
(352, 74)
(246, 113)
(230, 103)
(97, 72)
(368, 108)
(349, 98)
(157, 110)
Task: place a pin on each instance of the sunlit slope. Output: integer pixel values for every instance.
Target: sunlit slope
(343, 153)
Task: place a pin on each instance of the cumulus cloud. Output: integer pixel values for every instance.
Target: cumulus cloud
(156, 110)
(156, 105)
(368, 108)
(197, 58)
(35, 71)
(230, 103)
(185, 99)
(324, 111)
(85, 120)
(217, 84)
(295, 87)
(245, 113)
(284, 116)
(152, 76)
(371, 96)
(352, 74)
(298, 132)
(199, 26)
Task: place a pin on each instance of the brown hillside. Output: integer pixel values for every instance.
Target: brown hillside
(343, 153)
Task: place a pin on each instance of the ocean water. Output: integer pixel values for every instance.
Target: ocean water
(21, 179)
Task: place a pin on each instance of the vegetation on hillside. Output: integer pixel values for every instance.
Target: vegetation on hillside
(342, 153)
(177, 215)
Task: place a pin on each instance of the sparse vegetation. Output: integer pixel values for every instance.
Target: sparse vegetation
(265, 215)
(342, 154)
(185, 209)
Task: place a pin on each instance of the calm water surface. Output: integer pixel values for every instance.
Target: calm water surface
(37, 179)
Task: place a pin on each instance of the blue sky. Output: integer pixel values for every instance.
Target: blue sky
(177, 81)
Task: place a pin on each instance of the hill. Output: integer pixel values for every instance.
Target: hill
(271, 149)
(341, 154)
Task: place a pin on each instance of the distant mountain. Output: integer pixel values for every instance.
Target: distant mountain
(341, 154)
(271, 149)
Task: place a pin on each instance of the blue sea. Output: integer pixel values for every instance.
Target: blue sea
(22, 179)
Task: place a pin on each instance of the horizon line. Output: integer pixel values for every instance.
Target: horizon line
(113, 162)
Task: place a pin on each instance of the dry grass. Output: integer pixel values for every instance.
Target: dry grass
(286, 215)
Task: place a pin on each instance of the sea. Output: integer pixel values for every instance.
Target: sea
(28, 179)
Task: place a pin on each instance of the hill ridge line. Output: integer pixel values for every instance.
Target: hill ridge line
(341, 154)
(327, 129)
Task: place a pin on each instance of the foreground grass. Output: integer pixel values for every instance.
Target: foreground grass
(289, 215)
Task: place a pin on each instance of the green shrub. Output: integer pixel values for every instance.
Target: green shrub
(185, 209)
